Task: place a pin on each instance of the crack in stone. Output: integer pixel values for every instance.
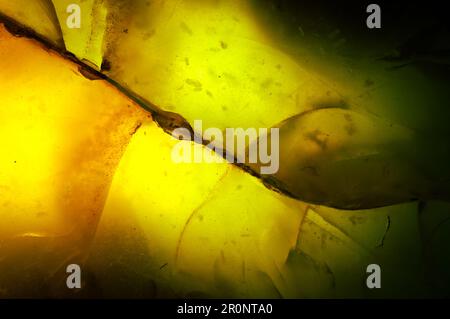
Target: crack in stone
(388, 226)
(167, 121)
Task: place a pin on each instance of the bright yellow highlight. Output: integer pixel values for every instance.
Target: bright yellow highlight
(211, 61)
(62, 136)
(215, 228)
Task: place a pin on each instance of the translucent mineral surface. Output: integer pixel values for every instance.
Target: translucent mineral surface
(86, 174)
